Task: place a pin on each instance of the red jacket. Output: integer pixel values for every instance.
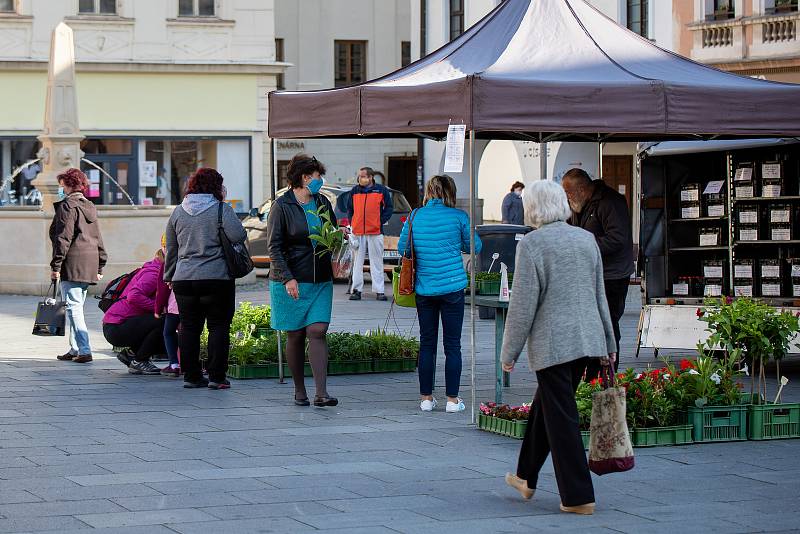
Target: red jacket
(369, 208)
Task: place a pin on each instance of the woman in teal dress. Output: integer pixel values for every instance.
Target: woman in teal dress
(301, 280)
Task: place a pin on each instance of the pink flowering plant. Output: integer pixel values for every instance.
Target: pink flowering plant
(505, 411)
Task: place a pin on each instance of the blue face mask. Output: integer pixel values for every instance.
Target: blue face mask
(61, 194)
(315, 185)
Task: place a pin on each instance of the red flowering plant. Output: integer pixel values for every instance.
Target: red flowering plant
(505, 411)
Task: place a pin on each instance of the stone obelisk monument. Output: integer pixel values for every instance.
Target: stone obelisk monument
(61, 137)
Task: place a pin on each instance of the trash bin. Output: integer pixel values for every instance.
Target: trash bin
(501, 239)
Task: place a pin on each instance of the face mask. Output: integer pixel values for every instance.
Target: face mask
(315, 185)
(518, 192)
(61, 194)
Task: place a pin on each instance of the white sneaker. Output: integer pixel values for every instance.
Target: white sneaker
(455, 406)
(428, 405)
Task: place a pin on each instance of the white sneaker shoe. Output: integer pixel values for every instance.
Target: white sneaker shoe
(455, 406)
(428, 405)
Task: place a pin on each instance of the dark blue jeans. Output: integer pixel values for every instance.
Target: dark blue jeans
(450, 307)
(171, 322)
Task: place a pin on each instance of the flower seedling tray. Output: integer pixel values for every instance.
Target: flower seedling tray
(773, 421)
(487, 287)
(718, 423)
(504, 427)
(352, 367)
(665, 435)
(394, 366)
(267, 370)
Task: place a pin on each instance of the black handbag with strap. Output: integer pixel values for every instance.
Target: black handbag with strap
(237, 257)
(51, 314)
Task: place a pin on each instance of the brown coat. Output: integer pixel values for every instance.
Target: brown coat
(78, 252)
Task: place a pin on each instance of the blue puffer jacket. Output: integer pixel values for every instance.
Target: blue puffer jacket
(441, 234)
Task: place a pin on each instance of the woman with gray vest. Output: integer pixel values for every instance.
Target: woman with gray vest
(558, 306)
(196, 267)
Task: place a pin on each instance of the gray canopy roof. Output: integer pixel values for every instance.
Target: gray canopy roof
(550, 70)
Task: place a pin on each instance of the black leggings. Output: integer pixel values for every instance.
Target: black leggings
(317, 357)
(143, 334)
(201, 301)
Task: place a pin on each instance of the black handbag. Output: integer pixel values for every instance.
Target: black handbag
(51, 315)
(237, 257)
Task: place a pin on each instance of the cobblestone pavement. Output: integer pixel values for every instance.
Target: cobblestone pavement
(92, 447)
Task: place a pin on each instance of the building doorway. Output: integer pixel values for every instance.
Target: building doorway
(401, 174)
(618, 175)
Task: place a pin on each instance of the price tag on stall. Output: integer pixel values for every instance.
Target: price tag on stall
(748, 217)
(744, 191)
(770, 271)
(771, 190)
(779, 216)
(796, 290)
(781, 234)
(716, 210)
(771, 170)
(712, 271)
(743, 271)
(680, 289)
(743, 291)
(748, 234)
(743, 174)
(712, 290)
(692, 212)
(708, 240)
(690, 195)
(796, 270)
(770, 290)
(713, 187)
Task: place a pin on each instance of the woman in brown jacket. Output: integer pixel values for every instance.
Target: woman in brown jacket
(78, 257)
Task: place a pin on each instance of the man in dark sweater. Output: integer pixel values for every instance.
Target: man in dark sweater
(604, 212)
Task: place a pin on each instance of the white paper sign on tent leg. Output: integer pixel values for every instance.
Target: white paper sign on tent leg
(454, 150)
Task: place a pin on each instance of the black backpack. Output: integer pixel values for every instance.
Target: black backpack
(114, 290)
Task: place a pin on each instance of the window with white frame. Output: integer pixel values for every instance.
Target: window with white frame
(7, 6)
(196, 8)
(780, 6)
(456, 18)
(97, 7)
(637, 16)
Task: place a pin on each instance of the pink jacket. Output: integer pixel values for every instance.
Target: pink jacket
(165, 297)
(139, 298)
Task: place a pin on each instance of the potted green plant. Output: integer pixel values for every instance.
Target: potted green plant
(754, 332)
(504, 419)
(392, 352)
(487, 283)
(348, 354)
(329, 238)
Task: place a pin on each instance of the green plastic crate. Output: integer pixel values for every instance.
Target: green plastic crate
(487, 287)
(773, 421)
(512, 429)
(585, 438)
(666, 435)
(718, 423)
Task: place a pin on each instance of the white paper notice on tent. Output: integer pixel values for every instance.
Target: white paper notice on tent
(454, 150)
(713, 187)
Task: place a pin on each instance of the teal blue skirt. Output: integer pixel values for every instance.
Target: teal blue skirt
(313, 306)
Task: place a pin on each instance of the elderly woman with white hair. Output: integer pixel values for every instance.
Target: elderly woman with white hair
(558, 306)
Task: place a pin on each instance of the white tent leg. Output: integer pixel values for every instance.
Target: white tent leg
(472, 271)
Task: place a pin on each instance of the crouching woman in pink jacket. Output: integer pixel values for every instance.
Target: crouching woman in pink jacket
(130, 321)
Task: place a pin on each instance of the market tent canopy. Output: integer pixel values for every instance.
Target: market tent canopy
(546, 70)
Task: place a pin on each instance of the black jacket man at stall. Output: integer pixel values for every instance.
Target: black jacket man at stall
(602, 211)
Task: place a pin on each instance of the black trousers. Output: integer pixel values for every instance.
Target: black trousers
(553, 429)
(201, 302)
(143, 334)
(616, 295)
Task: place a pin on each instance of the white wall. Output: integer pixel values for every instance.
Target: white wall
(309, 29)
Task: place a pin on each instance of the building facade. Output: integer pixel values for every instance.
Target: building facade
(749, 37)
(164, 87)
(335, 43)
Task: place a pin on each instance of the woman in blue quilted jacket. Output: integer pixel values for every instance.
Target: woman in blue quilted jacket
(440, 234)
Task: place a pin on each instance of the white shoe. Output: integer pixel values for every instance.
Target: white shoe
(428, 405)
(455, 406)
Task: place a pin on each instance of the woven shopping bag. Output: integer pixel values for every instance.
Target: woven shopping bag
(610, 449)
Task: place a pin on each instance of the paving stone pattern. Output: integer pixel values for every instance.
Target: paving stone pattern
(90, 447)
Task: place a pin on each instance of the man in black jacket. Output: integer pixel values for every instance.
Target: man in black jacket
(604, 212)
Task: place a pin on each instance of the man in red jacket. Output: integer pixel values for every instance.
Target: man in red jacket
(369, 207)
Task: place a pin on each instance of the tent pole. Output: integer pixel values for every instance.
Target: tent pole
(472, 271)
(542, 159)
